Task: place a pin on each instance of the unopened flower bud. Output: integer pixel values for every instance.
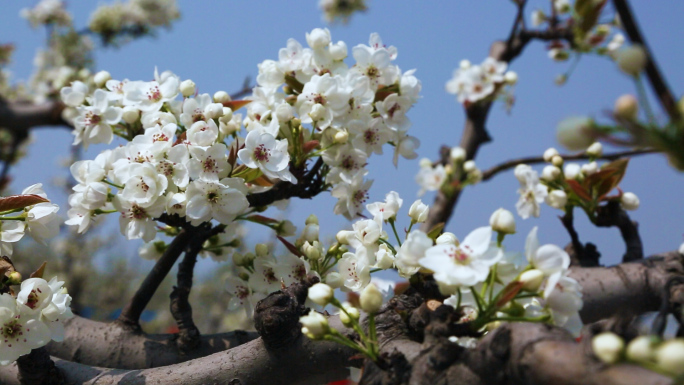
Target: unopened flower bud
(589, 168)
(338, 51)
(549, 154)
(457, 154)
(347, 319)
(343, 236)
(469, 166)
(213, 110)
(511, 78)
(629, 201)
(608, 347)
(425, 162)
(221, 97)
(532, 280)
(560, 79)
(371, 299)
(641, 349)
(14, 278)
(187, 88)
(558, 54)
(557, 199)
(334, 280)
(626, 107)
(341, 137)
(502, 221)
(321, 294)
(557, 161)
(101, 78)
(538, 17)
(286, 228)
(670, 356)
(130, 114)
(464, 64)
(575, 133)
(261, 249)
(632, 60)
(311, 252)
(418, 211)
(447, 238)
(311, 219)
(550, 173)
(284, 112)
(595, 150)
(314, 325)
(572, 170)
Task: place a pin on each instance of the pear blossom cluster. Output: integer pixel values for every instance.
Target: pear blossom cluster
(136, 16)
(454, 175)
(39, 220)
(33, 317)
(564, 185)
(352, 111)
(47, 12)
(334, 10)
(473, 83)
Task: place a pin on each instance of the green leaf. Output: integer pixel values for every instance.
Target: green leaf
(436, 231)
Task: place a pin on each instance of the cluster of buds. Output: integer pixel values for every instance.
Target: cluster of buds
(651, 352)
(475, 83)
(455, 175)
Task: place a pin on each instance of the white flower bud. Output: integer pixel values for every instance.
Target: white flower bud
(595, 150)
(558, 54)
(385, 258)
(130, 114)
(557, 161)
(641, 349)
(626, 107)
(557, 199)
(447, 238)
(334, 280)
(502, 221)
(371, 299)
(632, 60)
(538, 17)
(549, 154)
(418, 211)
(575, 133)
(550, 173)
(343, 236)
(286, 228)
(457, 154)
(312, 252)
(338, 51)
(284, 112)
(589, 168)
(629, 201)
(261, 249)
(572, 170)
(511, 78)
(354, 314)
(681, 249)
(670, 356)
(187, 88)
(101, 78)
(221, 97)
(213, 111)
(560, 79)
(321, 294)
(425, 163)
(608, 347)
(311, 219)
(469, 166)
(532, 280)
(314, 325)
(464, 64)
(341, 137)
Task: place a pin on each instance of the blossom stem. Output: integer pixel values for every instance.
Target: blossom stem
(478, 300)
(394, 229)
(100, 211)
(460, 296)
(17, 218)
(113, 184)
(643, 99)
(388, 245)
(372, 343)
(541, 318)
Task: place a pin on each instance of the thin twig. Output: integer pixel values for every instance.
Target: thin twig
(489, 173)
(655, 77)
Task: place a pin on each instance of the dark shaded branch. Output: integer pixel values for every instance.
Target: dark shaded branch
(655, 77)
(491, 172)
(246, 89)
(613, 215)
(188, 334)
(36, 368)
(130, 315)
(580, 254)
(19, 117)
(107, 344)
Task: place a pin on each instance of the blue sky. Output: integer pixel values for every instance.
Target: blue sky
(218, 43)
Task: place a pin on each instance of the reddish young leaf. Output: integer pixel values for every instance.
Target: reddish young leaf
(263, 181)
(236, 104)
(39, 273)
(580, 190)
(509, 292)
(261, 219)
(14, 202)
(290, 246)
(310, 145)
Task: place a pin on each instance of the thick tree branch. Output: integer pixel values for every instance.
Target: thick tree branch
(19, 117)
(655, 77)
(491, 172)
(308, 186)
(188, 334)
(36, 368)
(109, 345)
(580, 254)
(612, 215)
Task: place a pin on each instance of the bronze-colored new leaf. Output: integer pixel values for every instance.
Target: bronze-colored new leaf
(14, 202)
(290, 246)
(39, 273)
